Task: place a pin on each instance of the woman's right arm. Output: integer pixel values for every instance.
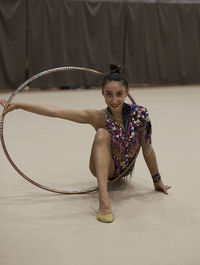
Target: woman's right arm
(80, 116)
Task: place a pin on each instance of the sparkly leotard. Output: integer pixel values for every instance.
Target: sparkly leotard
(126, 140)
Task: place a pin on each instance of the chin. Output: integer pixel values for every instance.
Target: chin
(116, 109)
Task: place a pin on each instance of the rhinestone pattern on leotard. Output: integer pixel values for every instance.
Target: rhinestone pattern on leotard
(126, 140)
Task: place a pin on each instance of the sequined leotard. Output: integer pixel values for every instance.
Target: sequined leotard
(126, 140)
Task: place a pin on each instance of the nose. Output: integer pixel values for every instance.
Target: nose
(114, 100)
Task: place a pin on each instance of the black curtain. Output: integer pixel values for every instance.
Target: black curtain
(74, 33)
(157, 41)
(12, 43)
(163, 41)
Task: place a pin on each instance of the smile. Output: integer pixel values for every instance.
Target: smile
(114, 106)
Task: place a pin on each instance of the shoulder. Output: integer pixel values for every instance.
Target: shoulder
(140, 112)
(97, 118)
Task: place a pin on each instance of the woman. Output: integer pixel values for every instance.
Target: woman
(121, 130)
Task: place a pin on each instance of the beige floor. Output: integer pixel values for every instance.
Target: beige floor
(39, 227)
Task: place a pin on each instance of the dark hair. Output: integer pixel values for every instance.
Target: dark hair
(117, 73)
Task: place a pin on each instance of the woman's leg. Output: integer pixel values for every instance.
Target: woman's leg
(102, 167)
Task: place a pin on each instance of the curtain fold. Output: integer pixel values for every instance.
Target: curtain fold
(162, 42)
(12, 43)
(157, 41)
(74, 33)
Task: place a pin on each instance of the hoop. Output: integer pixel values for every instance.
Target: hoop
(23, 85)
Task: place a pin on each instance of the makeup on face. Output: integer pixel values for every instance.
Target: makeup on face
(115, 93)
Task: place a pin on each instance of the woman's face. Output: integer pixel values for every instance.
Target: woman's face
(115, 93)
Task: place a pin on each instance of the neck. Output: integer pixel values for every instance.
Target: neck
(117, 114)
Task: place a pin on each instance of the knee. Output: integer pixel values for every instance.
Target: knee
(102, 136)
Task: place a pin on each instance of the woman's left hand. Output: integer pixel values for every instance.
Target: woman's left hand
(159, 186)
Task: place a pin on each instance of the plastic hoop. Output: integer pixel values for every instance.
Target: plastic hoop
(23, 85)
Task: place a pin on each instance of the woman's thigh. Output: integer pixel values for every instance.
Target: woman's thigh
(111, 166)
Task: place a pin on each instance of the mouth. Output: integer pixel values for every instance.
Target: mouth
(114, 106)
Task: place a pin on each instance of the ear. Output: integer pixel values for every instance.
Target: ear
(127, 91)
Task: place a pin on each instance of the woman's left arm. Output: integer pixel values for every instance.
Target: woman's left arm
(151, 161)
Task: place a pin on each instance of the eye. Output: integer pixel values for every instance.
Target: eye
(108, 94)
(119, 94)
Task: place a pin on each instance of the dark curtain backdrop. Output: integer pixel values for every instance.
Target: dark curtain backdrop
(12, 43)
(74, 33)
(157, 41)
(163, 41)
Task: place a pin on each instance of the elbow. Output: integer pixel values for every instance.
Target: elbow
(55, 113)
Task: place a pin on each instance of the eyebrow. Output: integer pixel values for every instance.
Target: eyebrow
(108, 91)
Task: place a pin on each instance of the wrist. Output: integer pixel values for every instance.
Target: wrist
(156, 178)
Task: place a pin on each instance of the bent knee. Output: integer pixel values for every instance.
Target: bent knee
(102, 136)
(92, 169)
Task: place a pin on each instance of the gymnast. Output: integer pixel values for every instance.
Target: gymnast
(121, 129)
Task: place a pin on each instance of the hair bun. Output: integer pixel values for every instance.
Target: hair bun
(116, 68)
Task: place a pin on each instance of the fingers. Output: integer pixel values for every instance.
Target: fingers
(163, 188)
(165, 191)
(3, 102)
(9, 108)
(6, 111)
(166, 188)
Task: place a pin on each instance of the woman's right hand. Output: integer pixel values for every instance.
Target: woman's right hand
(11, 107)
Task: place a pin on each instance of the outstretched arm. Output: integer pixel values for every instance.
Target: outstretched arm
(80, 116)
(150, 159)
